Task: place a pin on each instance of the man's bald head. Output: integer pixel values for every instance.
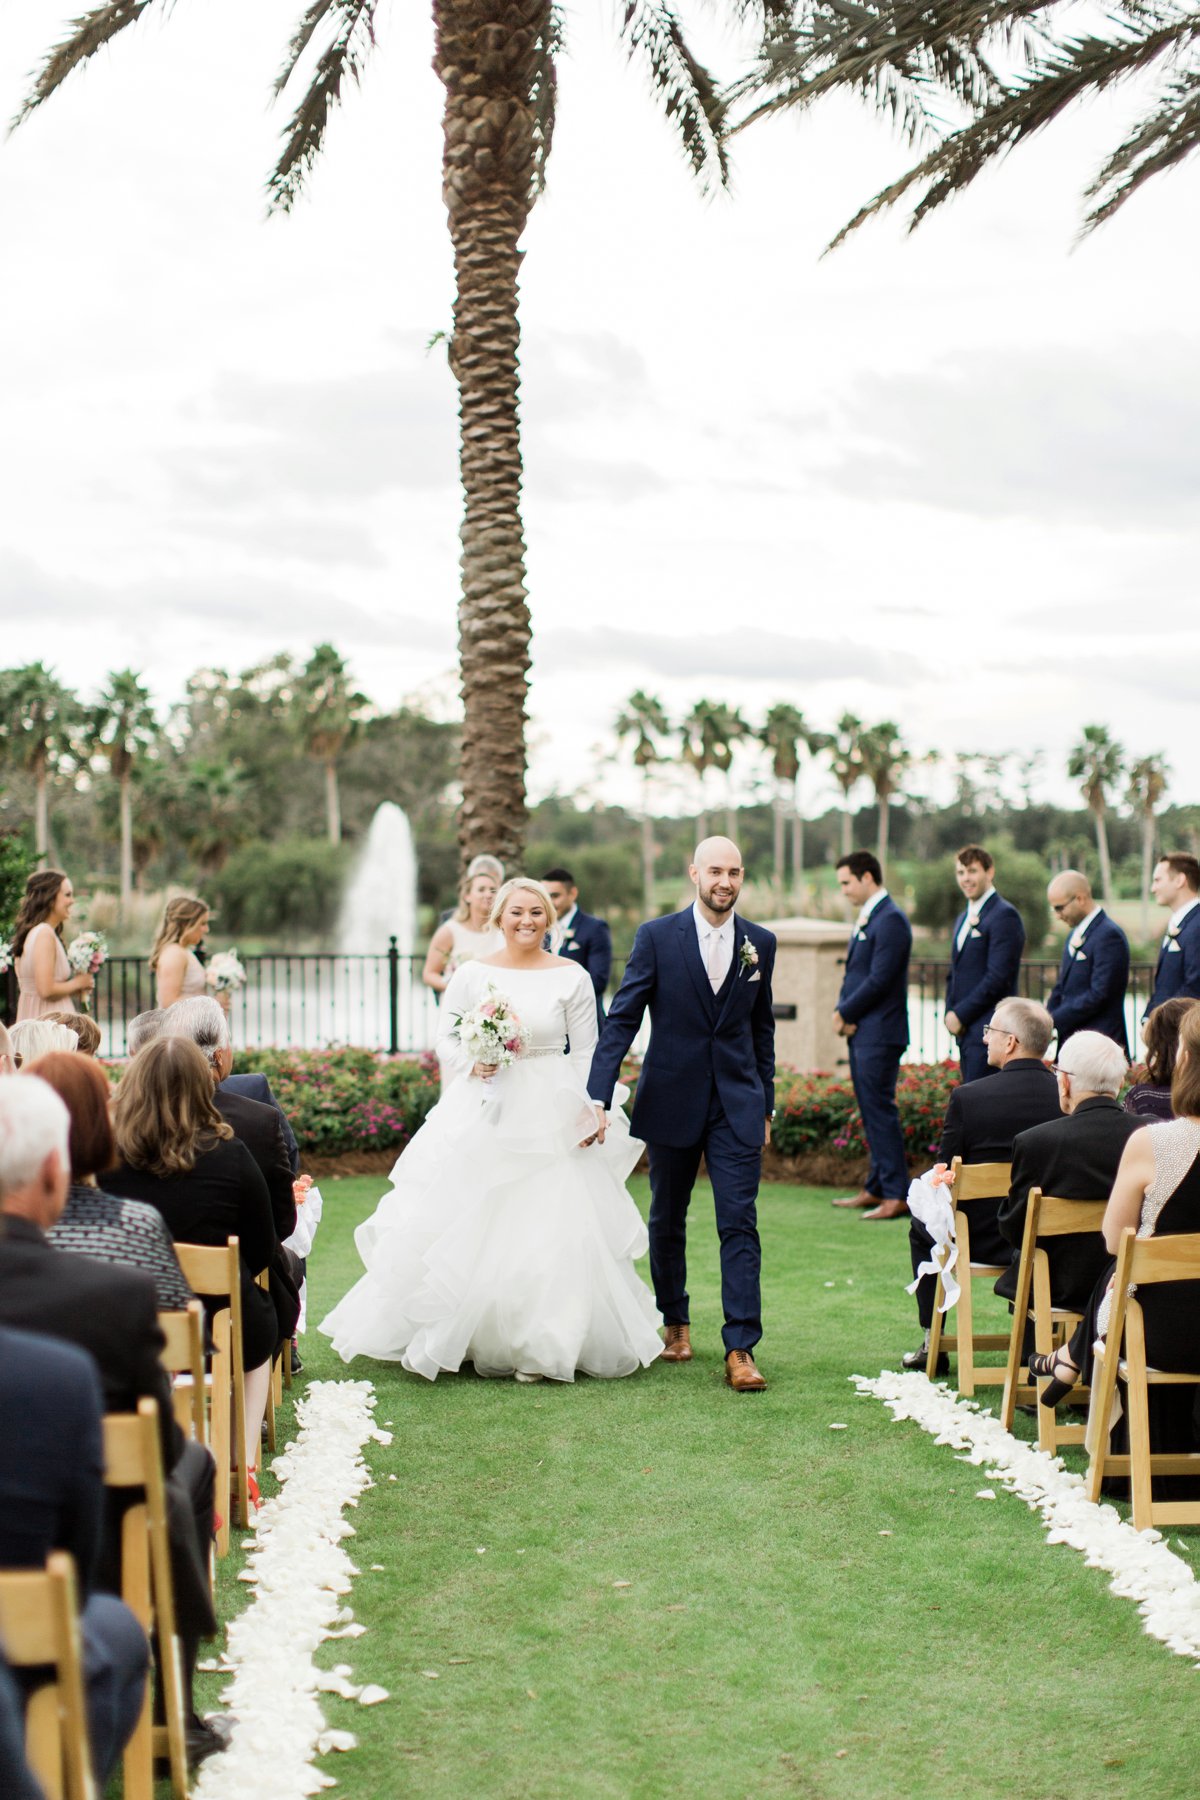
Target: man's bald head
(717, 876)
(1070, 897)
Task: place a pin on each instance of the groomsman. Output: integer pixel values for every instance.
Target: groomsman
(1176, 886)
(1089, 994)
(985, 958)
(872, 1015)
(585, 939)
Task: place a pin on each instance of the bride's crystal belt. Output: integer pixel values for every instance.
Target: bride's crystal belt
(546, 1050)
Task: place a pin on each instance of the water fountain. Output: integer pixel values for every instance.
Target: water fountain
(381, 897)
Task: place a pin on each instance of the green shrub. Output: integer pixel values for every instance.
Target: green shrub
(17, 863)
(283, 890)
(817, 1114)
(347, 1100)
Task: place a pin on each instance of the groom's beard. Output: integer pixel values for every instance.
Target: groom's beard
(718, 902)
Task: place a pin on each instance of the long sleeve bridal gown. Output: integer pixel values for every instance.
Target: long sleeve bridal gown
(504, 1242)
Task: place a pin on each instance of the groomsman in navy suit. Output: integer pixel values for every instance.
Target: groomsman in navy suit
(1089, 994)
(985, 958)
(1176, 886)
(872, 1015)
(585, 939)
(707, 1089)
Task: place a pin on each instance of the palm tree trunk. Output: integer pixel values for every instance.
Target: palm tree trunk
(847, 840)
(1105, 864)
(1147, 869)
(649, 858)
(778, 843)
(797, 842)
(41, 812)
(333, 802)
(486, 57)
(126, 842)
(881, 844)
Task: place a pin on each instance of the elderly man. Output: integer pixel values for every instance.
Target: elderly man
(985, 958)
(1089, 994)
(1075, 1158)
(982, 1120)
(1176, 887)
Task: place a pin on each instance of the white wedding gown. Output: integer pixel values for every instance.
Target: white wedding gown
(503, 1241)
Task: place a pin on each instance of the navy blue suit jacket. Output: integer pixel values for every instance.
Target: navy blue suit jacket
(987, 967)
(590, 945)
(51, 1460)
(1089, 994)
(699, 1041)
(874, 992)
(257, 1087)
(1178, 971)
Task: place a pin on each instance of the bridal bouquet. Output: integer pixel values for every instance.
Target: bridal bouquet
(491, 1032)
(224, 972)
(86, 954)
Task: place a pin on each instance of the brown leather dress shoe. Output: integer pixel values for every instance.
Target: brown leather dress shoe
(741, 1374)
(889, 1209)
(862, 1198)
(677, 1344)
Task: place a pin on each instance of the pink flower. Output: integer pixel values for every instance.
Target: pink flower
(941, 1176)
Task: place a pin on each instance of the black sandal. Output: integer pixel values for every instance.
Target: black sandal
(1044, 1368)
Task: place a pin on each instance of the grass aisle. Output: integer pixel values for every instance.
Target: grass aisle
(683, 1591)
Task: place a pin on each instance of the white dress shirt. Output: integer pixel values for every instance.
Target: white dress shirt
(1178, 916)
(1075, 941)
(716, 946)
(974, 908)
(868, 907)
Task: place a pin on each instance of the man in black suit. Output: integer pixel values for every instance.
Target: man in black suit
(982, 1120)
(52, 1498)
(586, 940)
(111, 1312)
(1176, 887)
(985, 958)
(1075, 1158)
(1089, 994)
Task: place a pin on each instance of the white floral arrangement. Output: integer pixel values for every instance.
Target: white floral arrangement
(6, 957)
(225, 972)
(491, 1032)
(86, 955)
(748, 955)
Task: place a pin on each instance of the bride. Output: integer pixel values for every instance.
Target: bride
(508, 1238)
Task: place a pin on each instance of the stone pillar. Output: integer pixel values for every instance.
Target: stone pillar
(808, 977)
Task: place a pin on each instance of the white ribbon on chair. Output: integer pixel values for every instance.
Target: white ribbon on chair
(929, 1201)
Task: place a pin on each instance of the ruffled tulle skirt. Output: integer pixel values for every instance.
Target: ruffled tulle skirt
(504, 1242)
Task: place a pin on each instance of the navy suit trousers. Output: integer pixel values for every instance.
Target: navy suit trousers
(874, 1070)
(972, 1051)
(115, 1660)
(734, 1169)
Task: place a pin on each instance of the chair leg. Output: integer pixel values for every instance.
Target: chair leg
(1137, 1402)
(1104, 1382)
(966, 1312)
(935, 1329)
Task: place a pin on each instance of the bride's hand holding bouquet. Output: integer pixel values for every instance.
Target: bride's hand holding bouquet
(491, 1034)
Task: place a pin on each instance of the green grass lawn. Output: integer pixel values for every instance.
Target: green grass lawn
(683, 1591)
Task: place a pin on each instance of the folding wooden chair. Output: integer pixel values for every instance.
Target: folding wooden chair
(1143, 1261)
(969, 1182)
(133, 1459)
(215, 1273)
(183, 1359)
(39, 1628)
(1046, 1216)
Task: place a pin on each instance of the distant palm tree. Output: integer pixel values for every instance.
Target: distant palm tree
(843, 747)
(496, 60)
(120, 726)
(1147, 783)
(884, 760)
(708, 735)
(783, 732)
(39, 721)
(643, 718)
(329, 714)
(213, 812)
(1097, 763)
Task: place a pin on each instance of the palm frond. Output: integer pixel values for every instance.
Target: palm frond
(689, 95)
(544, 95)
(1163, 139)
(87, 34)
(352, 41)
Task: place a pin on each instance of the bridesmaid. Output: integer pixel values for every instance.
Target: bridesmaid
(44, 975)
(177, 970)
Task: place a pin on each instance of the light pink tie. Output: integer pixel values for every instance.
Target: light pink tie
(715, 973)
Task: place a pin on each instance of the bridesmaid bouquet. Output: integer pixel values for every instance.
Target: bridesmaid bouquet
(225, 972)
(86, 955)
(491, 1032)
(6, 957)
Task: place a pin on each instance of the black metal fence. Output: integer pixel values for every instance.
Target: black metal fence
(931, 1042)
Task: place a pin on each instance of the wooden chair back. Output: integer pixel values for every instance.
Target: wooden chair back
(133, 1459)
(968, 1182)
(183, 1359)
(215, 1273)
(1046, 1216)
(1141, 1262)
(39, 1627)
(274, 1387)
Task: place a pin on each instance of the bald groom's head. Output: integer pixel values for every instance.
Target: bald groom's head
(717, 875)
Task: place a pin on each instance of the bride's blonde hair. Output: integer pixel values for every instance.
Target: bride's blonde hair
(527, 885)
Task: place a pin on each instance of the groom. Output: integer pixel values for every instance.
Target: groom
(707, 1088)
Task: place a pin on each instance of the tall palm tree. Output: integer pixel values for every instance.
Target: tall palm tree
(1097, 763)
(213, 812)
(884, 760)
(843, 746)
(643, 718)
(1147, 783)
(330, 714)
(120, 726)
(707, 736)
(783, 732)
(39, 719)
(496, 60)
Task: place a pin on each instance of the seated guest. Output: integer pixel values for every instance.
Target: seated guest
(1151, 1098)
(144, 1027)
(31, 1038)
(1075, 1158)
(1089, 994)
(586, 940)
(110, 1312)
(94, 1223)
(178, 1154)
(982, 1120)
(84, 1027)
(8, 1064)
(52, 1498)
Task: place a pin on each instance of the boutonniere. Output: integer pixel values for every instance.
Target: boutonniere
(1172, 931)
(748, 955)
(568, 938)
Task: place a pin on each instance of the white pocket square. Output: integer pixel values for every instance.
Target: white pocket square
(756, 976)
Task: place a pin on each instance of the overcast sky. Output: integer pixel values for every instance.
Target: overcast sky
(952, 479)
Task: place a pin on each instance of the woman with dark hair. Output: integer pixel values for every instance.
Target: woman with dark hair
(178, 1154)
(44, 975)
(1151, 1098)
(94, 1223)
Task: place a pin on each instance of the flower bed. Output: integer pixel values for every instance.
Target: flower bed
(817, 1115)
